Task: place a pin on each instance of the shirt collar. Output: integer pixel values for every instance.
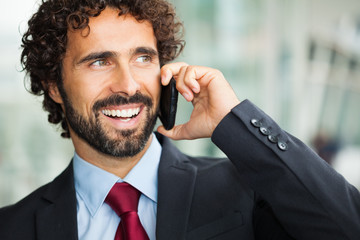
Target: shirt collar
(93, 184)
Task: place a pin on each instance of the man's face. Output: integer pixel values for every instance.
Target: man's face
(111, 86)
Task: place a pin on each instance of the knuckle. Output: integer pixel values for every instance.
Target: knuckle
(217, 72)
(183, 68)
(191, 68)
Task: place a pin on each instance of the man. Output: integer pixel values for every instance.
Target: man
(97, 63)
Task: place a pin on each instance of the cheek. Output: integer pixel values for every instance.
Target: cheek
(156, 91)
(152, 86)
(81, 97)
(83, 88)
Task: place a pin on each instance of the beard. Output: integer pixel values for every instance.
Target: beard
(126, 143)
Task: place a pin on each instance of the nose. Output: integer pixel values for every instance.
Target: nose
(124, 83)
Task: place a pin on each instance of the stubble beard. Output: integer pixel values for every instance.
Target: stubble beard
(125, 143)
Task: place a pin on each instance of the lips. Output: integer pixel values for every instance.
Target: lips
(122, 109)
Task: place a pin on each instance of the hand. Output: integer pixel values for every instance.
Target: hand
(210, 94)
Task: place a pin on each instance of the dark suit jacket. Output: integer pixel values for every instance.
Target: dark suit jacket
(273, 187)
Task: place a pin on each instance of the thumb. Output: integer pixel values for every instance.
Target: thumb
(176, 133)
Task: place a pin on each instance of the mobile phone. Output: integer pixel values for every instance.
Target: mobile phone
(168, 104)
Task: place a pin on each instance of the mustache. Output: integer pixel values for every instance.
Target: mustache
(117, 99)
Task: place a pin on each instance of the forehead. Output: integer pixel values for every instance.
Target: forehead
(109, 30)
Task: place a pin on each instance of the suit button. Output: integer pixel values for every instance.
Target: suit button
(265, 131)
(256, 123)
(282, 146)
(273, 138)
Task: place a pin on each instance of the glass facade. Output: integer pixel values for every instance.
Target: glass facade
(296, 59)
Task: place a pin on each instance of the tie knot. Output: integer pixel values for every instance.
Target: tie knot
(123, 198)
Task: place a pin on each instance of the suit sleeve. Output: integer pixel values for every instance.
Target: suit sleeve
(309, 198)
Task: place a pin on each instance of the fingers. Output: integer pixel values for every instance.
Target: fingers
(211, 95)
(178, 71)
(187, 77)
(169, 70)
(185, 83)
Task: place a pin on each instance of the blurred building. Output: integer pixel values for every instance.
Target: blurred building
(299, 60)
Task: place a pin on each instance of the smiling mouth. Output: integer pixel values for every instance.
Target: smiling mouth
(124, 115)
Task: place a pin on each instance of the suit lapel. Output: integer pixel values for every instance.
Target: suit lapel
(58, 219)
(175, 189)
(176, 180)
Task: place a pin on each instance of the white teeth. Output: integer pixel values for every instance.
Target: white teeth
(128, 113)
(125, 120)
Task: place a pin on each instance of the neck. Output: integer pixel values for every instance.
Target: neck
(115, 165)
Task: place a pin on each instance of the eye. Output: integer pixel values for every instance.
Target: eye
(143, 59)
(100, 63)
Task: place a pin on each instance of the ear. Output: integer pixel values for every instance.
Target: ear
(54, 93)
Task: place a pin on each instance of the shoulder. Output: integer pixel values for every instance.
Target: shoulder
(21, 215)
(44, 194)
(33, 197)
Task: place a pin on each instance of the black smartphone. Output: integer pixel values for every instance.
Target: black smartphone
(168, 104)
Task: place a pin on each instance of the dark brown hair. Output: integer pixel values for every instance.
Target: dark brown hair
(44, 43)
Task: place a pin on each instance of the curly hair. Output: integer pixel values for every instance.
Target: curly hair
(44, 43)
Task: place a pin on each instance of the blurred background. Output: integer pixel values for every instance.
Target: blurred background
(298, 60)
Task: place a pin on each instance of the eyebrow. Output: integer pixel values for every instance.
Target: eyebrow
(144, 50)
(108, 54)
(96, 55)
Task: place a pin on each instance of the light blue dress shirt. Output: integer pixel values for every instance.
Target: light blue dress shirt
(96, 220)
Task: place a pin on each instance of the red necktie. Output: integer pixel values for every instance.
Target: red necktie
(123, 199)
